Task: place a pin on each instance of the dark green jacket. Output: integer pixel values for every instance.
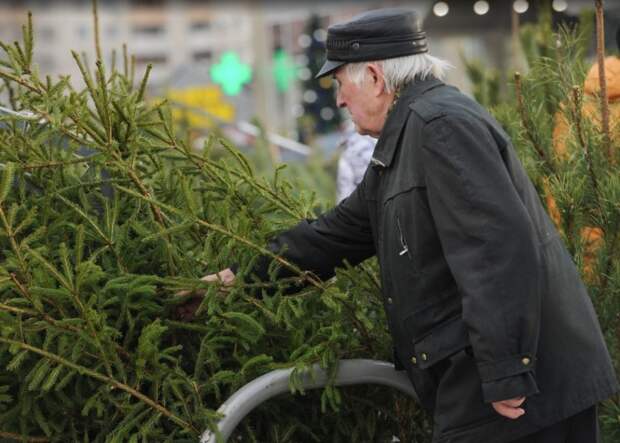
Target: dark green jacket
(482, 299)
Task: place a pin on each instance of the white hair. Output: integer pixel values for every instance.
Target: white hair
(400, 71)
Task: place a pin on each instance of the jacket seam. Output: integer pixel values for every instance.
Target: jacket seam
(469, 198)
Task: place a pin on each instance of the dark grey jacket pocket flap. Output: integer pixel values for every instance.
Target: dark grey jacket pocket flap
(441, 342)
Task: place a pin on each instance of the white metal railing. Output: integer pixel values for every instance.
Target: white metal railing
(350, 372)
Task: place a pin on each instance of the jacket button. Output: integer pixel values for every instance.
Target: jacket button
(414, 360)
(526, 361)
(424, 356)
(355, 46)
(389, 300)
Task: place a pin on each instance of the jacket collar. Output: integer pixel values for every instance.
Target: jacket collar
(388, 140)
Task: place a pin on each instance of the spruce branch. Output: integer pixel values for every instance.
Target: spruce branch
(107, 240)
(84, 312)
(97, 138)
(20, 81)
(132, 71)
(145, 80)
(609, 263)
(577, 118)
(21, 438)
(369, 340)
(304, 275)
(23, 290)
(10, 91)
(13, 241)
(600, 55)
(125, 61)
(96, 25)
(90, 85)
(49, 319)
(105, 379)
(210, 168)
(113, 63)
(527, 125)
(159, 216)
(105, 103)
(145, 193)
(21, 57)
(28, 36)
(56, 164)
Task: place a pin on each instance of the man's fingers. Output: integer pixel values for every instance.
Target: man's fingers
(508, 411)
(514, 402)
(510, 408)
(187, 311)
(224, 277)
(188, 308)
(187, 293)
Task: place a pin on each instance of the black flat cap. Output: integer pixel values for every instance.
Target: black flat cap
(374, 35)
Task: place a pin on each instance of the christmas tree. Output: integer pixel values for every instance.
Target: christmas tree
(569, 145)
(105, 214)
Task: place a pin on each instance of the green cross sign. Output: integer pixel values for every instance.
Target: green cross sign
(284, 70)
(230, 73)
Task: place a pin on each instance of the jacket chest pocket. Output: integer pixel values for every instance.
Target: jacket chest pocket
(403, 240)
(399, 242)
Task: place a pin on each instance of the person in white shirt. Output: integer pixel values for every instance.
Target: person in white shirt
(353, 161)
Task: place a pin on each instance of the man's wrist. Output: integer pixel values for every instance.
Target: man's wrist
(521, 385)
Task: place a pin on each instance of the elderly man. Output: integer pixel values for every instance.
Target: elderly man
(487, 311)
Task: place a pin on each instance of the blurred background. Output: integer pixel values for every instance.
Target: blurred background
(244, 68)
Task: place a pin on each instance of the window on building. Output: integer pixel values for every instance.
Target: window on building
(150, 3)
(9, 32)
(153, 29)
(155, 59)
(45, 62)
(111, 30)
(202, 56)
(45, 33)
(83, 31)
(200, 25)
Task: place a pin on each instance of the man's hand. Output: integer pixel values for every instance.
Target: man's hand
(187, 310)
(510, 408)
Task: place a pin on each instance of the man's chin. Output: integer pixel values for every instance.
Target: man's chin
(360, 130)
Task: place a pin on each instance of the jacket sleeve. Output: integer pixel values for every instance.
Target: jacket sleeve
(490, 245)
(321, 245)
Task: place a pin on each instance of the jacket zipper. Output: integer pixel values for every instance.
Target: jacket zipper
(403, 241)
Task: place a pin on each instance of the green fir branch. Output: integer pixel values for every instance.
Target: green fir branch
(102, 378)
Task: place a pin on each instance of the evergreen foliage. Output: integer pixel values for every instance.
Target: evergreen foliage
(581, 185)
(105, 214)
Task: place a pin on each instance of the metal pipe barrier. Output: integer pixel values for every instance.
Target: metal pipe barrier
(350, 372)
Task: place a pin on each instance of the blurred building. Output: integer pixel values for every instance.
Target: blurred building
(487, 31)
(183, 39)
(166, 34)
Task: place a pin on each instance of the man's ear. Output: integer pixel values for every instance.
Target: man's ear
(376, 79)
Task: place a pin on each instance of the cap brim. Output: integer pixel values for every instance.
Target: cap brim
(329, 67)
